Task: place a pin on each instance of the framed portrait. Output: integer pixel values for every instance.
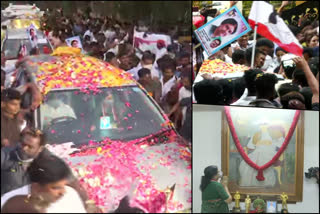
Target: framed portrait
(74, 42)
(260, 134)
(271, 207)
(222, 30)
(32, 35)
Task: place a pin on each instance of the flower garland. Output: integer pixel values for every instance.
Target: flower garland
(260, 169)
(218, 66)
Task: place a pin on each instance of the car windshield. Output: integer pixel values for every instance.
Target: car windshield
(11, 47)
(124, 113)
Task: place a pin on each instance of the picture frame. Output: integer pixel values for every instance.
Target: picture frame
(74, 42)
(292, 168)
(213, 43)
(271, 207)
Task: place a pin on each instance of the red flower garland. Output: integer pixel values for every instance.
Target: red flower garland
(260, 169)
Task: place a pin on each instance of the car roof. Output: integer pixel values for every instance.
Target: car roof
(67, 71)
(21, 33)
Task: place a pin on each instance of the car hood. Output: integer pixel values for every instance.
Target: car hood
(144, 172)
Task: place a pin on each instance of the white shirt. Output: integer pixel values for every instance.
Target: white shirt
(244, 99)
(236, 44)
(167, 86)
(160, 53)
(228, 59)
(184, 93)
(70, 202)
(267, 63)
(134, 71)
(50, 113)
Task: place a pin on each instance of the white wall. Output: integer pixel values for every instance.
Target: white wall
(207, 151)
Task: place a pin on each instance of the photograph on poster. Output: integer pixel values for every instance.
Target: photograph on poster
(32, 34)
(221, 31)
(74, 42)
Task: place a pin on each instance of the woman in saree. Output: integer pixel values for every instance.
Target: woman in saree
(215, 196)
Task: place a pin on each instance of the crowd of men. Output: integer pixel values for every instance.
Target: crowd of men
(166, 75)
(269, 83)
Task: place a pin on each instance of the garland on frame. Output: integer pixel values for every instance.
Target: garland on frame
(260, 169)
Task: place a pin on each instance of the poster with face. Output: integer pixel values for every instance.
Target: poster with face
(32, 34)
(74, 42)
(222, 30)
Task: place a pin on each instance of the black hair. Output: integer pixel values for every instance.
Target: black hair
(289, 71)
(227, 21)
(209, 173)
(187, 73)
(285, 99)
(314, 65)
(308, 51)
(109, 56)
(74, 41)
(227, 90)
(248, 54)
(265, 42)
(10, 94)
(143, 71)
(300, 78)
(208, 92)
(307, 94)
(237, 56)
(249, 77)
(167, 64)
(182, 55)
(36, 133)
(48, 169)
(265, 85)
(239, 86)
(280, 49)
(147, 55)
(286, 88)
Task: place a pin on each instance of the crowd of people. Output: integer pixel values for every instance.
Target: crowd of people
(166, 76)
(277, 78)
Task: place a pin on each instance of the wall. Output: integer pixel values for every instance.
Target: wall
(207, 151)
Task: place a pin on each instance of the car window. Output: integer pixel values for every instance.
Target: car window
(11, 47)
(117, 113)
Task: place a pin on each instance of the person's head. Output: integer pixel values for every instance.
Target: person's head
(227, 90)
(32, 142)
(279, 53)
(10, 101)
(183, 59)
(313, 41)
(75, 43)
(186, 79)
(226, 28)
(112, 59)
(284, 211)
(265, 86)
(314, 65)
(168, 68)
(239, 86)
(32, 33)
(238, 57)
(215, 43)
(260, 58)
(287, 88)
(293, 100)
(208, 92)
(147, 60)
(243, 41)
(307, 53)
(210, 173)
(307, 94)
(249, 77)
(48, 176)
(144, 76)
(54, 101)
(266, 46)
(299, 78)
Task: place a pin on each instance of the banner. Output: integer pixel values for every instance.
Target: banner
(74, 42)
(222, 30)
(144, 41)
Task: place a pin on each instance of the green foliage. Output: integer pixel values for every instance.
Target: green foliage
(259, 204)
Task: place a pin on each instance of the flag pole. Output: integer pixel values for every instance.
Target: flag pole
(254, 44)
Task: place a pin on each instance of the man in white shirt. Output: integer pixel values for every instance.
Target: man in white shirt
(242, 43)
(55, 108)
(267, 47)
(147, 61)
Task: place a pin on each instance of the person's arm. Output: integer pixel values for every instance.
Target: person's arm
(228, 200)
(311, 79)
(284, 3)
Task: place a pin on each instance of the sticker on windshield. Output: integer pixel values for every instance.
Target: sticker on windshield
(105, 123)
